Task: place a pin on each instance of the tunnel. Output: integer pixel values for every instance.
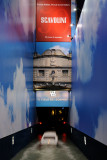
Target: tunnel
(53, 81)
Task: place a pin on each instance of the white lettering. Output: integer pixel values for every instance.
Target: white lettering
(42, 19)
(53, 19)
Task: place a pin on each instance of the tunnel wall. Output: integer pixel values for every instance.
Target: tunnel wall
(17, 99)
(88, 114)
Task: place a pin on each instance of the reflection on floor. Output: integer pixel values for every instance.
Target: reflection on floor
(65, 150)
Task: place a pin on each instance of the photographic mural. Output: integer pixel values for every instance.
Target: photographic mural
(52, 73)
(52, 59)
(89, 90)
(17, 99)
(52, 70)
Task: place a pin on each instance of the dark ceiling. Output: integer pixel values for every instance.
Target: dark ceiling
(80, 4)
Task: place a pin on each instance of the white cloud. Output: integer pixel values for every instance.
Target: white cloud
(14, 114)
(86, 38)
(74, 117)
(101, 130)
(5, 123)
(27, 10)
(22, 12)
(63, 49)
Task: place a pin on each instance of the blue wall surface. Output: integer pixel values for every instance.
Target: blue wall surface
(52, 99)
(89, 67)
(17, 99)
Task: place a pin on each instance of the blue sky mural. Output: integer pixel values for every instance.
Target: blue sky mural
(89, 72)
(14, 110)
(17, 99)
(64, 46)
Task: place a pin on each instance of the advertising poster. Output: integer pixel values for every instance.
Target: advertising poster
(52, 99)
(53, 20)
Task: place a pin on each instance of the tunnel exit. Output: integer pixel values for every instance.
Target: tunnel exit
(52, 118)
(52, 110)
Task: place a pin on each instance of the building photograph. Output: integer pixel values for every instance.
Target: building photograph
(52, 70)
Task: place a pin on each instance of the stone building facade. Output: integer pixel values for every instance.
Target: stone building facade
(52, 70)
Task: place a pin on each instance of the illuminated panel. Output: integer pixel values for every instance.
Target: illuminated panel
(53, 20)
(52, 99)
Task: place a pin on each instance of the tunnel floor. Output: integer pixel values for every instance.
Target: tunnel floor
(66, 150)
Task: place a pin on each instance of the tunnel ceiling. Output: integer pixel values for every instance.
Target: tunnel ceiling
(80, 4)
